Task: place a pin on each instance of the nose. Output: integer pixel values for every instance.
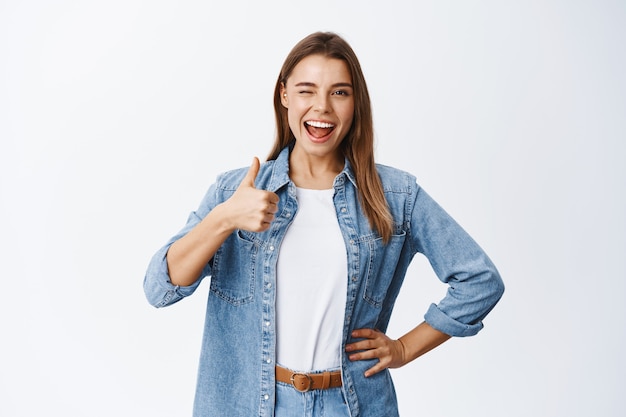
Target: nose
(322, 104)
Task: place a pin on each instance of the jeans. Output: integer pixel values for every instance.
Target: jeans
(315, 403)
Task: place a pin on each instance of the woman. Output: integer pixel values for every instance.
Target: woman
(307, 253)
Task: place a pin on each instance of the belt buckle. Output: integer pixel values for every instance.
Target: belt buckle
(308, 378)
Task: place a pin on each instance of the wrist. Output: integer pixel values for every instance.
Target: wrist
(403, 351)
(222, 220)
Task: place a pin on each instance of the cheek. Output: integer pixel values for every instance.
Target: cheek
(293, 119)
(347, 116)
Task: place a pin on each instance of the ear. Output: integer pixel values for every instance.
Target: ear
(283, 96)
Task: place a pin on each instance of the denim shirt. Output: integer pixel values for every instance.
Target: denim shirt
(236, 371)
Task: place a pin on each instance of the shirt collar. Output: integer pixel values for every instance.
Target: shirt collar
(346, 173)
(280, 172)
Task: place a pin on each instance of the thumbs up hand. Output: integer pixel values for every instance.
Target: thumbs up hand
(251, 209)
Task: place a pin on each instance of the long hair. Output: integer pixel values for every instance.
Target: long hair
(358, 145)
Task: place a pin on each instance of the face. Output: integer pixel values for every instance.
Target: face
(319, 99)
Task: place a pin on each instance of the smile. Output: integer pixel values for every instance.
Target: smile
(319, 129)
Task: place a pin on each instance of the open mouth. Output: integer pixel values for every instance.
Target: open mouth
(319, 129)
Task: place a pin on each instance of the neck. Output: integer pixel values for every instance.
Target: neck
(312, 172)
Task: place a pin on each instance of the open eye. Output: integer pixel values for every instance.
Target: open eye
(344, 93)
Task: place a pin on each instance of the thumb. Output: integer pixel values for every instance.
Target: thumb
(252, 173)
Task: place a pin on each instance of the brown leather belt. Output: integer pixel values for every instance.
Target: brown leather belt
(306, 382)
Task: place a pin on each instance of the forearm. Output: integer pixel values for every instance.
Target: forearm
(420, 340)
(188, 256)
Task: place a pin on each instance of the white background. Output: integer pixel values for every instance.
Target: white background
(115, 116)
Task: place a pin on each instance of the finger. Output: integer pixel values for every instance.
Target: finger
(374, 370)
(269, 217)
(361, 345)
(248, 180)
(272, 208)
(368, 339)
(273, 197)
(381, 364)
(365, 333)
(272, 201)
(364, 355)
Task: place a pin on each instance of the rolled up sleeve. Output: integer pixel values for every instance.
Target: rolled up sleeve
(159, 290)
(157, 285)
(474, 284)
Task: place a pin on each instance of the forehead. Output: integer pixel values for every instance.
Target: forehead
(320, 69)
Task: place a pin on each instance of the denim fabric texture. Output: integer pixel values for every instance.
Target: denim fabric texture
(236, 370)
(315, 403)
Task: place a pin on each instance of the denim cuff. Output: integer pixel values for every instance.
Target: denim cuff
(159, 289)
(442, 322)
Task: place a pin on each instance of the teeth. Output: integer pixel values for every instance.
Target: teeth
(324, 125)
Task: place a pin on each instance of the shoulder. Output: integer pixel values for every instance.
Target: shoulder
(395, 180)
(230, 180)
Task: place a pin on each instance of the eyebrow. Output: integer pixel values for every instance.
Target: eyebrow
(310, 84)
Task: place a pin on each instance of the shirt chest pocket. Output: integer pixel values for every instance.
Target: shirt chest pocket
(382, 265)
(233, 271)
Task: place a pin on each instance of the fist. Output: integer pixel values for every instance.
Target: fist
(252, 209)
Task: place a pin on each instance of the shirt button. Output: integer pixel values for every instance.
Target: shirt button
(268, 360)
(267, 324)
(354, 278)
(287, 214)
(352, 241)
(343, 209)
(272, 247)
(267, 397)
(269, 285)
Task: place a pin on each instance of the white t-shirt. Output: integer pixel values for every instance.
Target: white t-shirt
(311, 286)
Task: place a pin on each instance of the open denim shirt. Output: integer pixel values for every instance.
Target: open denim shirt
(236, 371)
